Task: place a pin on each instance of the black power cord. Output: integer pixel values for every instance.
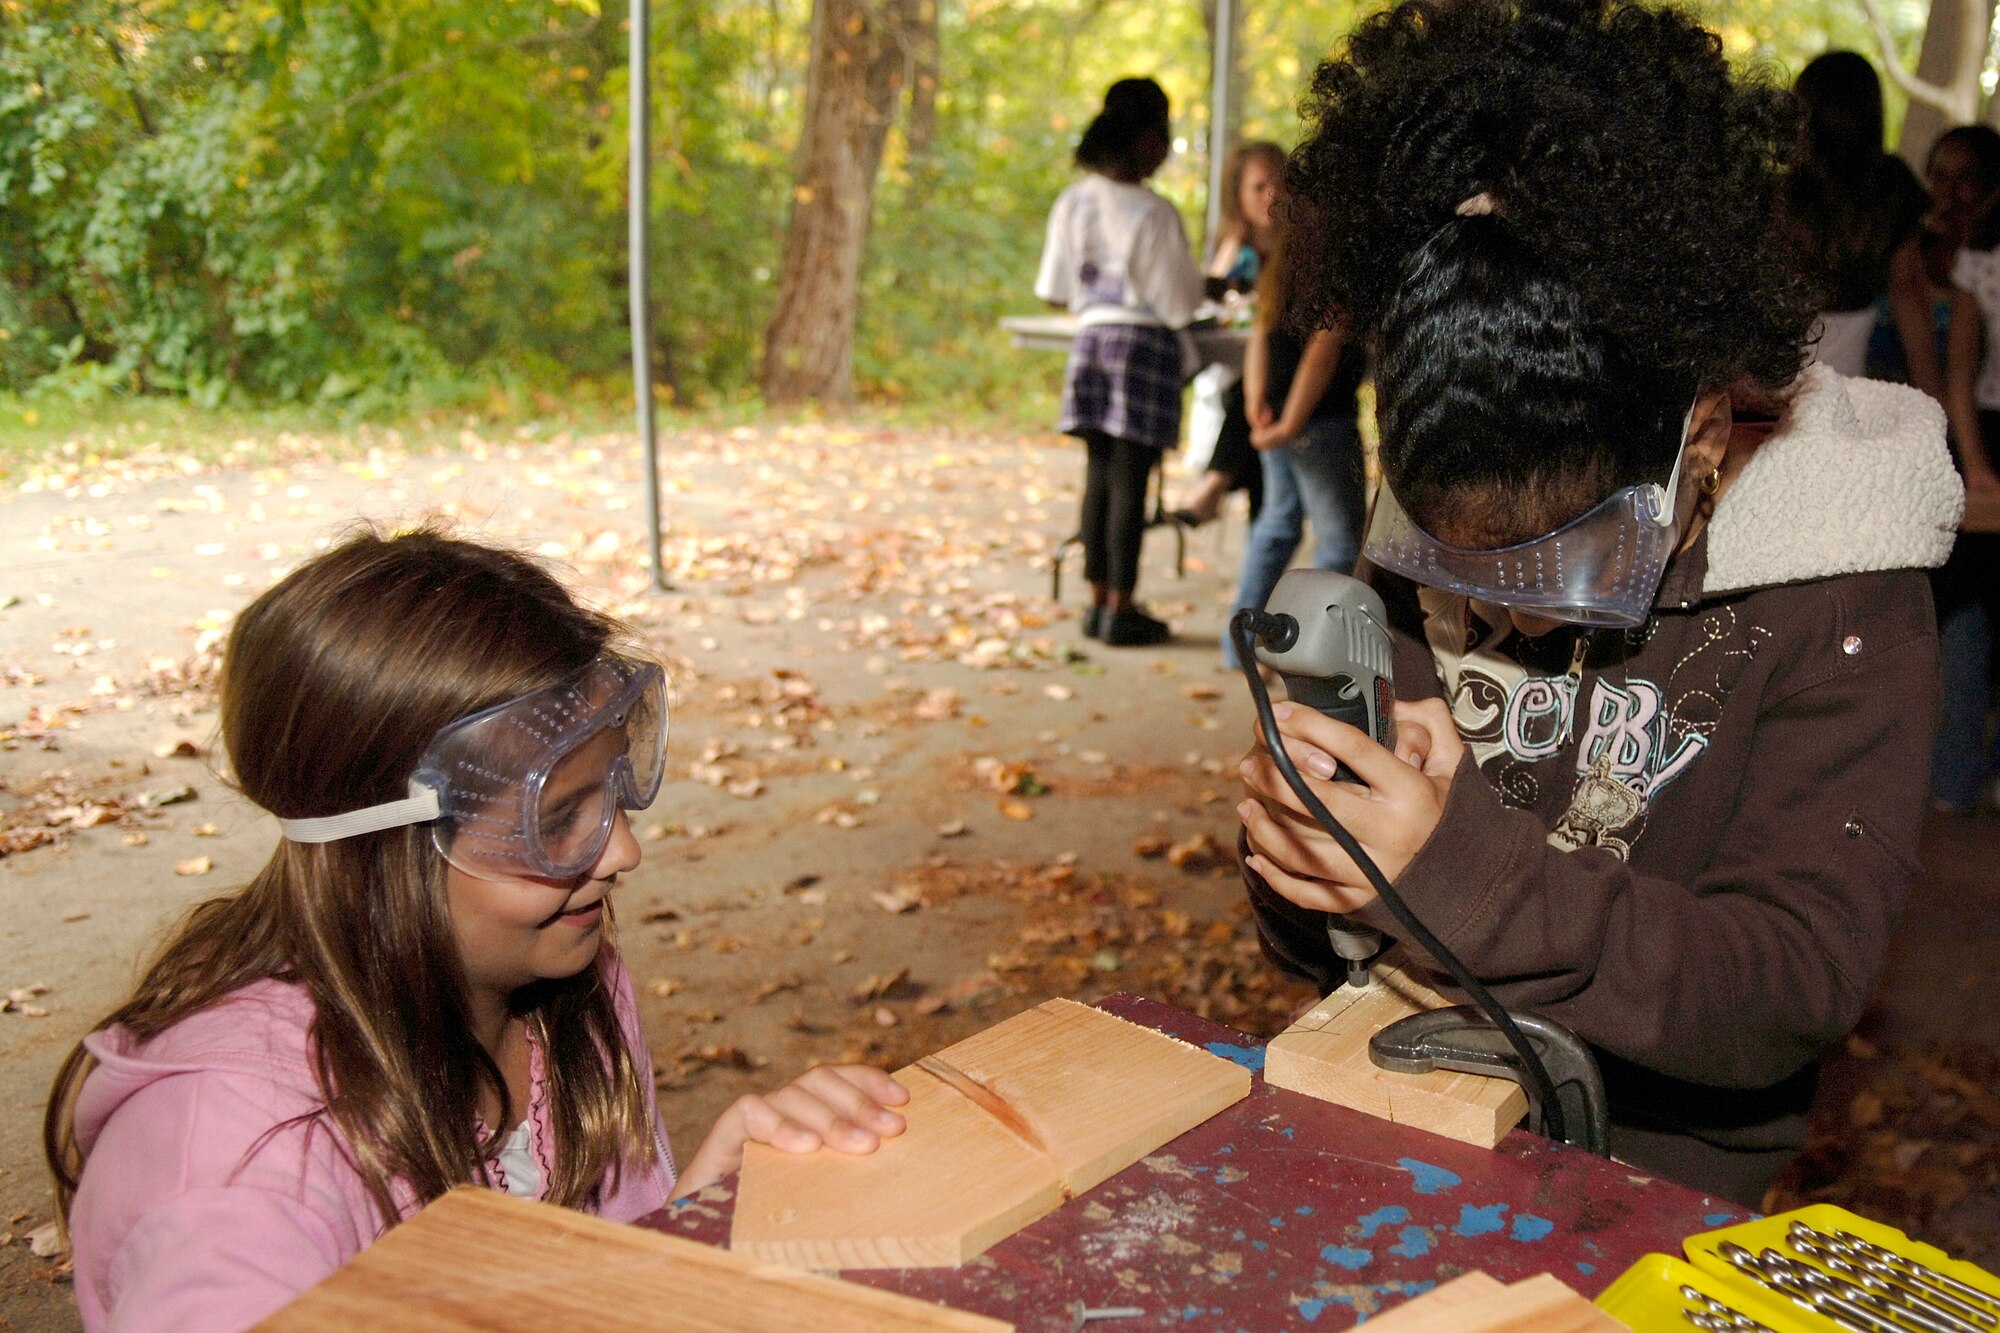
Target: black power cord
(1245, 628)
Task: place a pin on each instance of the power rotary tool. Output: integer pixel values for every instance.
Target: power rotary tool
(1326, 634)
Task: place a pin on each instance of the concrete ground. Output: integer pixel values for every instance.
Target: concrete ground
(906, 799)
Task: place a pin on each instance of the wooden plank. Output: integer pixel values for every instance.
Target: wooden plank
(1082, 1096)
(477, 1259)
(1477, 1303)
(1325, 1055)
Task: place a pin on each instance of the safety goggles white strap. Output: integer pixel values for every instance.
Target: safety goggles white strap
(419, 807)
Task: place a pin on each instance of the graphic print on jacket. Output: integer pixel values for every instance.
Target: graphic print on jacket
(1613, 743)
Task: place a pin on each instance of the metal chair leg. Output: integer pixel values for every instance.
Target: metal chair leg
(1056, 564)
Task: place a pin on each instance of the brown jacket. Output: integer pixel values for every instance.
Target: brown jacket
(1692, 849)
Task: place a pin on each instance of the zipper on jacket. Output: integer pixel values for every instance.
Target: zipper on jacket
(1575, 678)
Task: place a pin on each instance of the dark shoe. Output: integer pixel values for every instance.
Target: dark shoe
(1133, 628)
(1093, 623)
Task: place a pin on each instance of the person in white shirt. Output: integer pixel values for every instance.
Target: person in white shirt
(1118, 256)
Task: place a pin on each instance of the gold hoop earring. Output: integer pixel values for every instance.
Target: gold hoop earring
(1711, 483)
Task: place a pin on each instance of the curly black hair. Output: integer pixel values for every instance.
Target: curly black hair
(1628, 258)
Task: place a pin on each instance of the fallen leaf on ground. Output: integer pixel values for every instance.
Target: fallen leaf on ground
(153, 800)
(45, 1241)
(938, 705)
(902, 898)
(879, 986)
(725, 1056)
(195, 865)
(1017, 810)
(1196, 853)
(951, 828)
(789, 982)
(1152, 846)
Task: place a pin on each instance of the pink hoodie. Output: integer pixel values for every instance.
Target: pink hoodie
(189, 1217)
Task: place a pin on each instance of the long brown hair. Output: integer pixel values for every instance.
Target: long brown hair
(334, 682)
(1234, 164)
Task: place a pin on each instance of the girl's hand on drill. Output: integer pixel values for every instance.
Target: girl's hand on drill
(1392, 816)
(845, 1107)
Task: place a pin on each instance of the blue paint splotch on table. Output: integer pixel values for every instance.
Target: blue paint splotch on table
(1718, 1219)
(1529, 1227)
(1347, 1256)
(1250, 1057)
(1428, 1179)
(1480, 1221)
(1371, 1299)
(1415, 1243)
(1393, 1215)
(1584, 1268)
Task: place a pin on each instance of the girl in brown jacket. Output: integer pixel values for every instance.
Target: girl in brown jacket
(1666, 648)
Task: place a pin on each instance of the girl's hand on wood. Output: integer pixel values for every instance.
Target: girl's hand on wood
(1392, 812)
(845, 1107)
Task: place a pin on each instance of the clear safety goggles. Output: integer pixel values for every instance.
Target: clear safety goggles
(1601, 568)
(532, 787)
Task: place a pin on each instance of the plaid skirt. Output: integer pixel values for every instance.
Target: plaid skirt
(1124, 380)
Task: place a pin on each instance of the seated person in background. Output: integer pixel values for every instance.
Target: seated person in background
(419, 990)
(1235, 265)
(1670, 668)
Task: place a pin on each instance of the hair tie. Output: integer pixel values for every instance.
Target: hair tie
(1478, 206)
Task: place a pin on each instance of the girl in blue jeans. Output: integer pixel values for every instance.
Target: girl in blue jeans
(1300, 395)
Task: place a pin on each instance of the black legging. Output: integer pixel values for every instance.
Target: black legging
(1234, 455)
(1114, 509)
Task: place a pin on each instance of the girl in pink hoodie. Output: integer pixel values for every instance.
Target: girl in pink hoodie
(419, 990)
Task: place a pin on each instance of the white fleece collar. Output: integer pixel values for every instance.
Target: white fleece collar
(1856, 477)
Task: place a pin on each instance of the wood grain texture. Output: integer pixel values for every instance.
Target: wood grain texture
(1476, 1303)
(477, 1259)
(1100, 1092)
(1325, 1055)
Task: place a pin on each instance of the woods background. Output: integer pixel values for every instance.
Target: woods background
(381, 206)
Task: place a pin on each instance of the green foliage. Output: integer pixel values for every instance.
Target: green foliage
(300, 201)
(376, 204)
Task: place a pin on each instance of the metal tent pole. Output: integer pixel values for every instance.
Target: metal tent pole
(1218, 113)
(639, 266)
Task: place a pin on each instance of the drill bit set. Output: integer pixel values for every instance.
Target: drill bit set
(1816, 1270)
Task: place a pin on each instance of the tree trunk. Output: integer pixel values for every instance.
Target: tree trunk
(922, 128)
(860, 60)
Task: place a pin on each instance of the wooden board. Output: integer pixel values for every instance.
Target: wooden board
(1079, 1095)
(1325, 1055)
(477, 1259)
(1476, 1303)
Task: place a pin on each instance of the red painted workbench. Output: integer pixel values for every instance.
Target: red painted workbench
(1285, 1212)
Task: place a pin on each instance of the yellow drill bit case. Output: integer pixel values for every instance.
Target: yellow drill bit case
(1649, 1296)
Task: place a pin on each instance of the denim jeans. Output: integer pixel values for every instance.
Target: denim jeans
(1960, 762)
(1316, 478)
